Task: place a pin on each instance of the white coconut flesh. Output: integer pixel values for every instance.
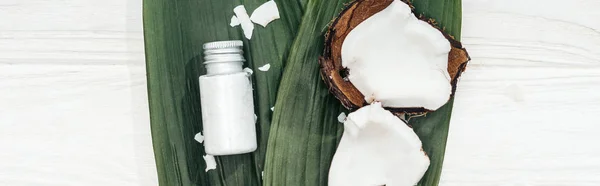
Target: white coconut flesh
(377, 148)
(244, 21)
(199, 137)
(210, 162)
(398, 60)
(234, 21)
(265, 13)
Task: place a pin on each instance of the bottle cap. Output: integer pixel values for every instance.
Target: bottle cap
(223, 51)
(223, 44)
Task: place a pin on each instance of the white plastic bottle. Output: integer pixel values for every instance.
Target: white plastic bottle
(227, 103)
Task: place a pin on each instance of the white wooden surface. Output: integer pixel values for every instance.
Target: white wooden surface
(73, 95)
(73, 103)
(527, 108)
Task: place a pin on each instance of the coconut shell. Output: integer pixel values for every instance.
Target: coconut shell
(334, 74)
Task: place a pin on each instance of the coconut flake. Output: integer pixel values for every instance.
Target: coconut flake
(273, 108)
(265, 13)
(210, 162)
(234, 21)
(248, 71)
(265, 68)
(342, 117)
(199, 137)
(377, 148)
(244, 20)
(398, 60)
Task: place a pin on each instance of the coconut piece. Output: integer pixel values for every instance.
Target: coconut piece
(265, 68)
(244, 20)
(210, 162)
(234, 21)
(394, 44)
(265, 13)
(342, 117)
(199, 137)
(248, 71)
(393, 57)
(377, 148)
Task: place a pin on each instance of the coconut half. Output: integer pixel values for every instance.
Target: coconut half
(377, 148)
(378, 50)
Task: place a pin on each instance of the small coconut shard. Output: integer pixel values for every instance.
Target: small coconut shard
(377, 148)
(244, 20)
(210, 163)
(265, 13)
(265, 68)
(248, 71)
(234, 21)
(342, 117)
(378, 50)
(199, 137)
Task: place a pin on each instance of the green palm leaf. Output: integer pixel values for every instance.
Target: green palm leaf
(304, 132)
(304, 136)
(433, 128)
(174, 33)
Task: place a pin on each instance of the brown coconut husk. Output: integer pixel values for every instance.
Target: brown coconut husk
(334, 74)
